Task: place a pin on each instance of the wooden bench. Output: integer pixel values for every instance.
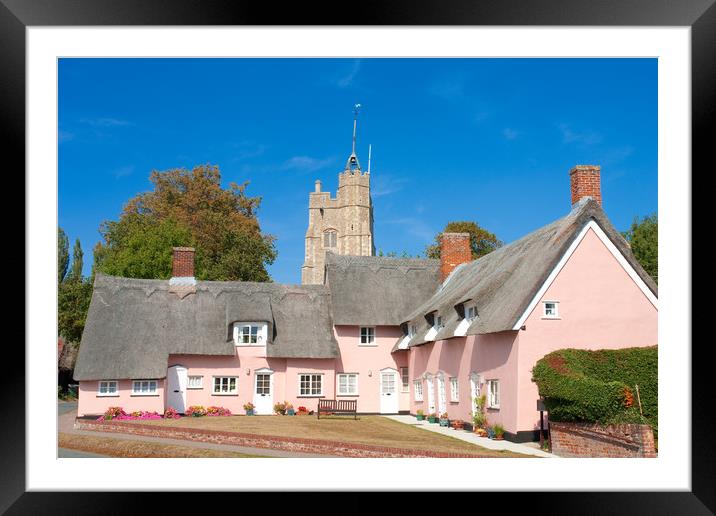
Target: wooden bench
(339, 407)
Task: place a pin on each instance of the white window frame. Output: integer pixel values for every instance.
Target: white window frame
(108, 394)
(354, 392)
(438, 323)
(310, 383)
(261, 333)
(404, 380)
(418, 390)
(214, 392)
(473, 309)
(491, 393)
(368, 333)
(190, 386)
(555, 315)
(454, 389)
(412, 330)
(151, 392)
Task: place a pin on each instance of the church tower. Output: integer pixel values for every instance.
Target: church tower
(342, 225)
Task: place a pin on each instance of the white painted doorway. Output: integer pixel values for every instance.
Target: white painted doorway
(474, 391)
(263, 391)
(389, 399)
(431, 394)
(442, 398)
(176, 387)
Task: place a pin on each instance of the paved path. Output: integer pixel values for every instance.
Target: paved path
(471, 437)
(67, 453)
(66, 421)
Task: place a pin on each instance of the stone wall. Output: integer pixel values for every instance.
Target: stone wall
(594, 440)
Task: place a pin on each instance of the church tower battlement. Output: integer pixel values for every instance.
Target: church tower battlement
(342, 225)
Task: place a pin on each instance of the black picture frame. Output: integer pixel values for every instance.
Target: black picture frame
(700, 15)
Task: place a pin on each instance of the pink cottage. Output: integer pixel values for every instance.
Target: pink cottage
(397, 335)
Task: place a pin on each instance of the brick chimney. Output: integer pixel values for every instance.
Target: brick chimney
(183, 262)
(454, 250)
(585, 182)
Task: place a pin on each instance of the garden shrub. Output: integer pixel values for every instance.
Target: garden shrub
(599, 386)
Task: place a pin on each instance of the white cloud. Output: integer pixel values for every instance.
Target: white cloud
(306, 163)
(510, 134)
(585, 137)
(121, 172)
(415, 227)
(347, 80)
(105, 122)
(248, 149)
(385, 184)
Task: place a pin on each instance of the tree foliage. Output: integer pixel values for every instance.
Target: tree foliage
(643, 236)
(63, 254)
(188, 208)
(77, 262)
(482, 241)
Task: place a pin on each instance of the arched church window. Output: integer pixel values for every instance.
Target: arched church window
(330, 238)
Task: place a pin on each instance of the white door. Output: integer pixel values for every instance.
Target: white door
(389, 398)
(474, 392)
(442, 402)
(263, 392)
(176, 388)
(431, 395)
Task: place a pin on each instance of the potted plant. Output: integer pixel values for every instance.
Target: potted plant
(499, 431)
(457, 424)
(479, 419)
(419, 415)
(444, 420)
(249, 408)
(302, 411)
(280, 408)
(490, 432)
(432, 418)
(289, 409)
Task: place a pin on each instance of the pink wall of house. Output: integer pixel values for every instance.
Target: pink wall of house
(91, 403)
(368, 361)
(600, 307)
(492, 356)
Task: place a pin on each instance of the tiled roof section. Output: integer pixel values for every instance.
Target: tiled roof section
(376, 290)
(502, 283)
(133, 325)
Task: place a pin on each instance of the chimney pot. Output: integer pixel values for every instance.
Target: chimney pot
(454, 250)
(318, 185)
(183, 262)
(585, 182)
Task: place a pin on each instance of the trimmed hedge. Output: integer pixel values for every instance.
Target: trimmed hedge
(599, 386)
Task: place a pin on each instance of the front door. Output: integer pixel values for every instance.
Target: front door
(176, 388)
(442, 401)
(389, 398)
(474, 392)
(263, 392)
(431, 395)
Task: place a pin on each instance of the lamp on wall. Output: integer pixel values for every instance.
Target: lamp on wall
(370, 372)
(248, 371)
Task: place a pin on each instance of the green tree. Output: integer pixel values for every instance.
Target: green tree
(643, 237)
(63, 254)
(481, 240)
(188, 208)
(77, 262)
(73, 299)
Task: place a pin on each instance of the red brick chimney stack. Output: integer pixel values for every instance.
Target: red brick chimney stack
(454, 250)
(585, 182)
(183, 262)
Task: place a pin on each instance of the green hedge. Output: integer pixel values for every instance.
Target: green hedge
(599, 386)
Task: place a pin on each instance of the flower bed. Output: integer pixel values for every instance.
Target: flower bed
(118, 413)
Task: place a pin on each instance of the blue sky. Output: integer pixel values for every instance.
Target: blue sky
(489, 140)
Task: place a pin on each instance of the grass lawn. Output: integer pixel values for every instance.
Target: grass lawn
(375, 430)
(132, 448)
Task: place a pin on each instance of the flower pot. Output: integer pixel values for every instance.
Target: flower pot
(420, 417)
(250, 412)
(444, 422)
(432, 419)
(290, 412)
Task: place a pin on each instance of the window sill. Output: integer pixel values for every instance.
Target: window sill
(347, 395)
(368, 345)
(494, 408)
(311, 396)
(454, 402)
(249, 345)
(224, 393)
(108, 395)
(544, 317)
(144, 395)
(194, 388)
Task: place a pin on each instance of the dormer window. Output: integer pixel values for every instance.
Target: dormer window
(250, 334)
(412, 330)
(438, 322)
(471, 313)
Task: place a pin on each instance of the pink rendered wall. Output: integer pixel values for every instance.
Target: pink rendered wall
(89, 403)
(364, 359)
(492, 356)
(600, 307)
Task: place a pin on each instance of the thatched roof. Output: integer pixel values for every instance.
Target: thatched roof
(503, 282)
(134, 324)
(375, 290)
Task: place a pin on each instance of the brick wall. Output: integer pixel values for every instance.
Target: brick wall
(585, 181)
(594, 440)
(454, 250)
(183, 262)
